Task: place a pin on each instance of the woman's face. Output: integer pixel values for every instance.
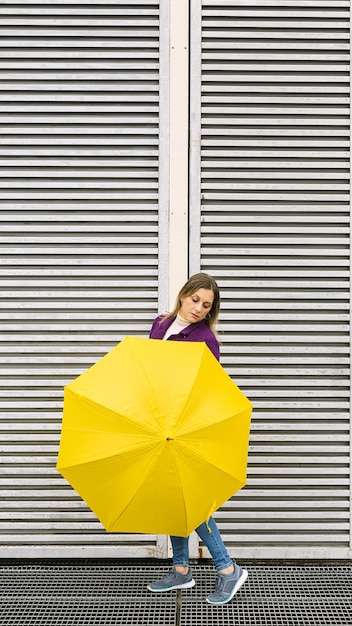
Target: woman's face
(195, 307)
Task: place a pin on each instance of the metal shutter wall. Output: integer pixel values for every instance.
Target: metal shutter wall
(79, 241)
(275, 233)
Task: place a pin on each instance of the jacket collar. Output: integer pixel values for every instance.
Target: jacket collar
(185, 331)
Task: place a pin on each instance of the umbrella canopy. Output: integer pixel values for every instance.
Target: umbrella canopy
(155, 436)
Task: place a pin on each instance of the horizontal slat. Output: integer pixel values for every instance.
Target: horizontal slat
(105, 65)
(289, 133)
(280, 9)
(84, 9)
(284, 538)
(42, 19)
(274, 110)
(71, 538)
(86, 74)
(306, 222)
(284, 55)
(225, 49)
(106, 31)
(287, 508)
(91, 47)
(92, 184)
(266, 238)
(265, 33)
(31, 54)
(286, 516)
(276, 154)
(69, 118)
(105, 132)
(286, 228)
(76, 338)
(272, 4)
(272, 76)
(296, 20)
(86, 3)
(68, 151)
(86, 90)
(133, 161)
(275, 251)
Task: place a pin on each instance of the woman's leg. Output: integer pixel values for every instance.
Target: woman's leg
(179, 551)
(210, 535)
(180, 576)
(230, 576)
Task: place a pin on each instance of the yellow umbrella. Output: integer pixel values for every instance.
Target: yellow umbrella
(154, 436)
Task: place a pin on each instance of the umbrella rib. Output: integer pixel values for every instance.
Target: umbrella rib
(189, 395)
(110, 418)
(139, 487)
(133, 496)
(111, 481)
(182, 410)
(93, 459)
(199, 456)
(145, 371)
(179, 485)
(219, 421)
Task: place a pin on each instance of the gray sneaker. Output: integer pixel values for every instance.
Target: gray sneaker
(173, 580)
(227, 585)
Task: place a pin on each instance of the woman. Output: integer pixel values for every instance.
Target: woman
(194, 319)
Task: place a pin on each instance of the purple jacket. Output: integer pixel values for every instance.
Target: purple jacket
(199, 331)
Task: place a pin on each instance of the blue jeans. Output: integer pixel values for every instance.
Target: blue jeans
(211, 539)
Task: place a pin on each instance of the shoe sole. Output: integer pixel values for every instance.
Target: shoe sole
(183, 586)
(238, 585)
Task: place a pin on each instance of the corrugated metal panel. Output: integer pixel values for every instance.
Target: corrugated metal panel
(79, 238)
(275, 233)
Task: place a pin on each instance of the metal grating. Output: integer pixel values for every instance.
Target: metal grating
(108, 592)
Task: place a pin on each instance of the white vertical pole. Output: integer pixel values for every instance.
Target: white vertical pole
(350, 546)
(179, 136)
(194, 165)
(195, 135)
(164, 152)
(173, 170)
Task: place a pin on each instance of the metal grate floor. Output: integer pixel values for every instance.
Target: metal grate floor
(105, 592)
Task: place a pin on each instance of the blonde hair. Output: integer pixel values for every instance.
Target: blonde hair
(195, 282)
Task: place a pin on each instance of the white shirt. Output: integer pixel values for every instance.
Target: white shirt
(177, 325)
